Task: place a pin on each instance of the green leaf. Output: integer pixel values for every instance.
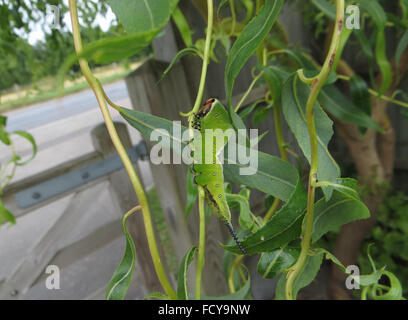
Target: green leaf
(374, 9)
(271, 174)
(30, 139)
(261, 113)
(121, 279)
(402, 45)
(274, 82)
(305, 278)
(183, 27)
(332, 100)
(271, 264)
(326, 7)
(342, 108)
(192, 192)
(365, 45)
(241, 294)
(245, 215)
(343, 207)
(6, 215)
(4, 135)
(383, 62)
(283, 227)
(142, 15)
(294, 97)
(222, 4)
(360, 94)
(248, 41)
(182, 291)
(178, 56)
(394, 292)
(156, 295)
(248, 110)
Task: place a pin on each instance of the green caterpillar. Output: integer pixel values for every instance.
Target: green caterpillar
(209, 176)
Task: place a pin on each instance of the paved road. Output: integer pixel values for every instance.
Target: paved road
(57, 109)
(62, 128)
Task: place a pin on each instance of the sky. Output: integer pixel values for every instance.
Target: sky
(37, 28)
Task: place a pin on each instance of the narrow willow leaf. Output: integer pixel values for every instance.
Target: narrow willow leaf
(402, 45)
(271, 175)
(271, 264)
(284, 226)
(360, 95)
(365, 45)
(261, 114)
(156, 295)
(343, 207)
(192, 192)
(121, 279)
(374, 9)
(305, 278)
(243, 293)
(245, 215)
(345, 35)
(342, 108)
(183, 27)
(274, 81)
(5, 215)
(178, 56)
(383, 62)
(142, 15)
(30, 139)
(394, 292)
(249, 39)
(326, 7)
(109, 50)
(334, 102)
(222, 4)
(248, 110)
(4, 135)
(294, 98)
(182, 291)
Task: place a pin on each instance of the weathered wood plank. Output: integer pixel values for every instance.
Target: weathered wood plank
(31, 266)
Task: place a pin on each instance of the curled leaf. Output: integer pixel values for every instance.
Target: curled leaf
(121, 279)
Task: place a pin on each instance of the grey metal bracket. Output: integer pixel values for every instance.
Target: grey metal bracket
(56, 186)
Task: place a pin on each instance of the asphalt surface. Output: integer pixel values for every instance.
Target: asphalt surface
(43, 113)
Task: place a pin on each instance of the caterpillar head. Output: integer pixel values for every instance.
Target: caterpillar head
(206, 108)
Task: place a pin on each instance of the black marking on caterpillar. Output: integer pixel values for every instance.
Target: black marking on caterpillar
(234, 235)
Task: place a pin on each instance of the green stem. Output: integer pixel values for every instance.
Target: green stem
(279, 133)
(206, 59)
(201, 243)
(99, 93)
(317, 85)
(251, 86)
(375, 94)
(233, 17)
(231, 285)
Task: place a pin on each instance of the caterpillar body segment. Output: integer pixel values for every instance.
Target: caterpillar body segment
(208, 173)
